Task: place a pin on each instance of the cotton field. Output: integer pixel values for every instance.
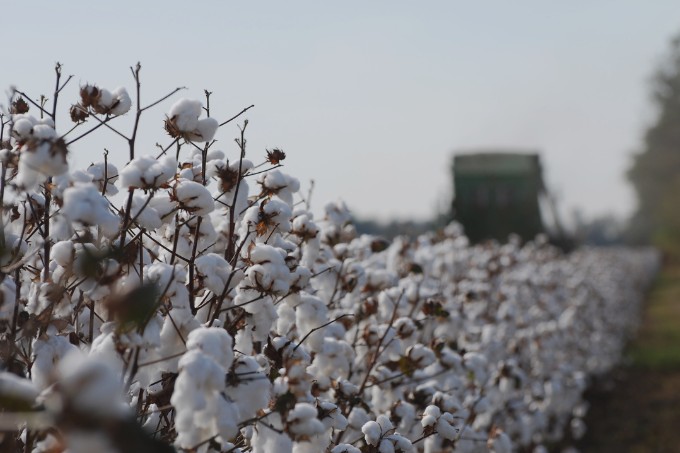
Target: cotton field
(190, 300)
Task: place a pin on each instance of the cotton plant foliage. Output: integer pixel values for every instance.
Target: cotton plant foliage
(205, 308)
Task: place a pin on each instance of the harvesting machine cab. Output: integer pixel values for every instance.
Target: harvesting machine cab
(499, 194)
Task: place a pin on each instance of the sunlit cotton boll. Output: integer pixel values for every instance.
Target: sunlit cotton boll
(205, 130)
(194, 197)
(184, 114)
(121, 101)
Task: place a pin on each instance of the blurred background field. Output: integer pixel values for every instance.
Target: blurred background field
(637, 408)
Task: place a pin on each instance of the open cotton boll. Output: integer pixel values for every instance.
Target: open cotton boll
(248, 387)
(104, 174)
(345, 448)
(214, 342)
(83, 203)
(302, 421)
(269, 274)
(331, 416)
(193, 197)
(214, 271)
(499, 442)
(430, 416)
(105, 99)
(23, 128)
(91, 385)
(164, 206)
(144, 214)
(337, 213)
(13, 386)
(201, 409)
(266, 219)
(147, 172)
(277, 183)
(43, 132)
(184, 114)
(446, 426)
(372, 432)
(121, 102)
(205, 130)
(41, 158)
(65, 180)
(47, 353)
(44, 295)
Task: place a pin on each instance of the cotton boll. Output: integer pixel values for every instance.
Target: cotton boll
(249, 388)
(23, 128)
(265, 440)
(268, 272)
(145, 215)
(333, 358)
(214, 342)
(266, 219)
(41, 158)
(43, 132)
(372, 432)
(345, 448)
(147, 172)
(302, 421)
(263, 317)
(310, 313)
(92, 385)
(499, 442)
(420, 355)
(193, 197)
(386, 446)
(214, 272)
(104, 174)
(12, 386)
(277, 183)
(66, 180)
(121, 102)
(201, 409)
(105, 100)
(184, 114)
(164, 207)
(331, 416)
(44, 295)
(84, 204)
(205, 130)
(430, 416)
(446, 426)
(175, 330)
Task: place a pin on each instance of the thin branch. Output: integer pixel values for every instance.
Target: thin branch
(153, 104)
(320, 327)
(237, 115)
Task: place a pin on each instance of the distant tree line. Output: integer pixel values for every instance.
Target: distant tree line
(655, 173)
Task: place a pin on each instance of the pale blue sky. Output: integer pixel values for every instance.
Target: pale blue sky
(370, 99)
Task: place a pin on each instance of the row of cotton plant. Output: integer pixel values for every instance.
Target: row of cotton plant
(189, 300)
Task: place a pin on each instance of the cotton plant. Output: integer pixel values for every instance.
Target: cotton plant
(188, 298)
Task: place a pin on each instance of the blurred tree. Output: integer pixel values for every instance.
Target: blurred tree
(655, 173)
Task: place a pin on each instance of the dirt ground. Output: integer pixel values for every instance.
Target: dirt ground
(636, 408)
